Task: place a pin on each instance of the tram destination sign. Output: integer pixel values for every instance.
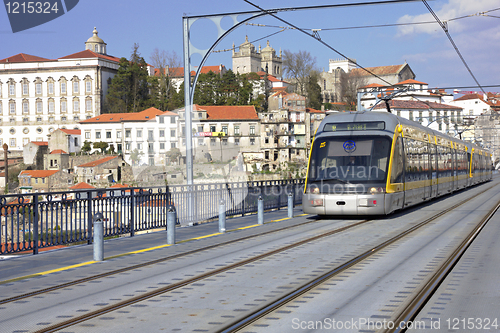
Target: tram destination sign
(357, 126)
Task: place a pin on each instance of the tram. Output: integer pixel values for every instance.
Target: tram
(374, 163)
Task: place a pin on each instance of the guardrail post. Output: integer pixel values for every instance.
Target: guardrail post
(222, 216)
(131, 223)
(171, 218)
(290, 205)
(98, 237)
(260, 210)
(35, 224)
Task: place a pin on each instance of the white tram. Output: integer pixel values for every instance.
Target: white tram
(373, 163)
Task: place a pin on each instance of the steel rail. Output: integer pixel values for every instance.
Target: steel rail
(440, 275)
(174, 286)
(130, 268)
(264, 311)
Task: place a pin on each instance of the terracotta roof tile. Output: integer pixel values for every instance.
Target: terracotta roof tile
(179, 71)
(225, 112)
(23, 57)
(38, 173)
(58, 151)
(409, 81)
(380, 70)
(72, 131)
(146, 115)
(97, 162)
(90, 54)
(81, 185)
(40, 143)
(404, 104)
(470, 96)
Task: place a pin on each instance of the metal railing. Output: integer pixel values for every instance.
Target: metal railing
(45, 219)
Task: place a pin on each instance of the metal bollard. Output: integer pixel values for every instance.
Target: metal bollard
(290, 205)
(98, 237)
(260, 210)
(222, 216)
(171, 217)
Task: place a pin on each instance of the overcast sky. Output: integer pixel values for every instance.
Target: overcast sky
(158, 24)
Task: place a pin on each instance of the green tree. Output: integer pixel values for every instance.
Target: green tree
(101, 145)
(135, 156)
(313, 89)
(86, 147)
(129, 90)
(173, 154)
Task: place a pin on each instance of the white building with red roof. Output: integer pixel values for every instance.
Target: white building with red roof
(39, 95)
(142, 137)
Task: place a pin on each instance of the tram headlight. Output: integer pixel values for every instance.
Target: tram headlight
(376, 190)
(313, 190)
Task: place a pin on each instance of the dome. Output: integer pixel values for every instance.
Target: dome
(268, 48)
(95, 38)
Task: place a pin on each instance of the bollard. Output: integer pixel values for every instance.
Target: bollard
(171, 217)
(260, 210)
(290, 205)
(222, 217)
(98, 237)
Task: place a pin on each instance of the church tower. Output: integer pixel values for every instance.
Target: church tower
(248, 59)
(95, 44)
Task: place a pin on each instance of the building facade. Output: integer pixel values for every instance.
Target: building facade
(248, 59)
(39, 95)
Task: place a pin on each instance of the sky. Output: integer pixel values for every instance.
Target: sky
(158, 24)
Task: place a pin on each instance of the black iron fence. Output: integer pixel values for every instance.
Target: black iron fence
(37, 220)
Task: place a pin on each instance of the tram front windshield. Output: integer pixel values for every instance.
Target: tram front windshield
(350, 159)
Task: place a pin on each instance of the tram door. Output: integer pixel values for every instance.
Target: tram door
(433, 170)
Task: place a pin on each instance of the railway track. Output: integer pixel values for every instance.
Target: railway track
(255, 315)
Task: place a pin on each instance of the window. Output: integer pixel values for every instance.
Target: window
(212, 142)
(12, 89)
(118, 134)
(139, 146)
(25, 89)
(26, 108)
(252, 141)
(76, 105)
(108, 134)
(97, 134)
(162, 133)
(127, 146)
(26, 120)
(200, 128)
(51, 119)
(150, 135)
(162, 120)
(88, 105)
(88, 86)
(12, 142)
(252, 130)
(64, 106)
(87, 135)
(212, 128)
(139, 133)
(172, 133)
(51, 106)
(201, 141)
(127, 133)
(51, 88)
(224, 129)
(38, 88)
(172, 121)
(162, 145)
(12, 108)
(76, 89)
(172, 145)
(236, 142)
(38, 119)
(224, 142)
(12, 120)
(64, 118)
(236, 130)
(63, 88)
(39, 106)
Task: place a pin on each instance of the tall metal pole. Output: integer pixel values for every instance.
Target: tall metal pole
(188, 103)
(6, 160)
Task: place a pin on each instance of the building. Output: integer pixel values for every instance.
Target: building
(441, 117)
(68, 140)
(34, 181)
(221, 132)
(248, 60)
(39, 95)
(34, 153)
(176, 74)
(102, 171)
(330, 81)
(142, 137)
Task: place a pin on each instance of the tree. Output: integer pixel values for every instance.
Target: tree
(101, 145)
(298, 67)
(86, 147)
(129, 90)
(163, 90)
(135, 156)
(349, 84)
(173, 154)
(313, 89)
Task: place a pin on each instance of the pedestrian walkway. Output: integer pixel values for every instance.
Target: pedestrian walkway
(15, 267)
